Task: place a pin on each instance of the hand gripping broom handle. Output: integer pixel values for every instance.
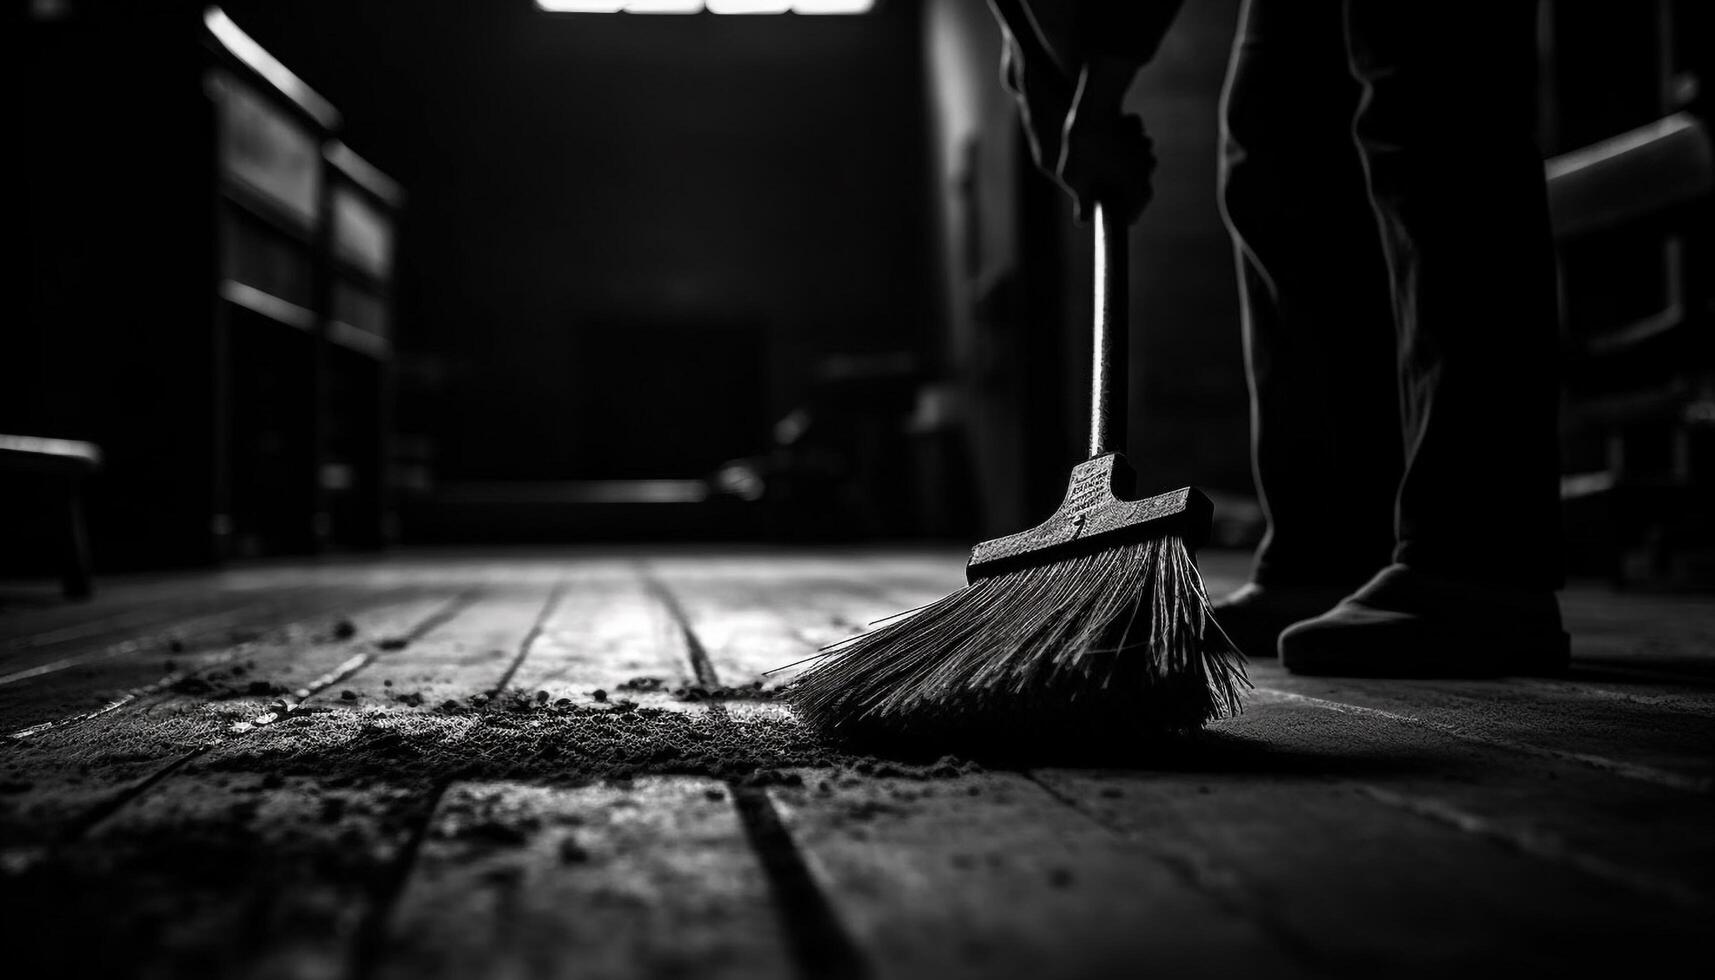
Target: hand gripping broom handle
(1110, 349)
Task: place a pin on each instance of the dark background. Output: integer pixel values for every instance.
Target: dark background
(595, 198)
(800, 264)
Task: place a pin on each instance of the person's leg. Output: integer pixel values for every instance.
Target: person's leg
(1319, 341)
(1445, 128)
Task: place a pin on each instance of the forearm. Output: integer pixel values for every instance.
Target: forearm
(1097, 45)
(1119, 37)
(1102, 85)
(1123, 31)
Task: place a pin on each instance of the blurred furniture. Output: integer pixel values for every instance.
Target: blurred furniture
(1631, 215)
(362, 205)
(62, 464)
(209, 293)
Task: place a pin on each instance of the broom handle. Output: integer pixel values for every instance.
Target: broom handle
(1110, 352)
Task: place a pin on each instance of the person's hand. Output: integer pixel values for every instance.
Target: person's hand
(1076, 130)
(1105, 153)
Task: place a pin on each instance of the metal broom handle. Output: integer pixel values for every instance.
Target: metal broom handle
(1109, 354)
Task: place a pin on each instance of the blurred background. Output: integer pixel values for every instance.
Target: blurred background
(332, 276)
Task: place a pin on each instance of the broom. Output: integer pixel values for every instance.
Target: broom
(1094, 622)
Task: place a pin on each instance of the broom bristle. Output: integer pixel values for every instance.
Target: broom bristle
(1118, 641)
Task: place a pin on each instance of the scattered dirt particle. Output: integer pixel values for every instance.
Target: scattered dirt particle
(265, 689)
(642, 684)
(564, 744)
(599, 694)
(387, 682)
(344, 630)
(177, 646)
(1060, 878)
(1204, 790)
(273, 781)
(563, 703)
(1112, 792)
(541, 697)
(743, 692)
(714, 794)
(392, 643)
(348, 695)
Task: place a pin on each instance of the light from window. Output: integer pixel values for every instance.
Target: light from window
(712, 6)
(582, 6)
(664, 6)
(749, 6)
(832, 6)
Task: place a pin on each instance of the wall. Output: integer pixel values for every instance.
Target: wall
(574, 179)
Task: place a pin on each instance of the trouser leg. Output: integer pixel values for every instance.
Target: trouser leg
(1317, 317)
(1445, 129)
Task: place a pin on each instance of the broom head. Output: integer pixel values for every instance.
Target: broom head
(1094, 623)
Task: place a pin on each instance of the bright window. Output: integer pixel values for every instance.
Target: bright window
(712, 6)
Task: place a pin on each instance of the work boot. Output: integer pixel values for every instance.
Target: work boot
(1253, 615)
(1407, 623)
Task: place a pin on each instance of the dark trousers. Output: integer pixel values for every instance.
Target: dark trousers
(1382, 186)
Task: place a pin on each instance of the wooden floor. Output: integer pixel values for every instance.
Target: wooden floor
(569, 765)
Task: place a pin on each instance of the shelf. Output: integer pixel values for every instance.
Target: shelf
(268, 305)
(359, 340)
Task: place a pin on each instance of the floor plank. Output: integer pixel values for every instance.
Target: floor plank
(463, 819)
(610, 634)
(643, 880)
(990, 876)
(163, 772)
(1363, 888)
(462, 663)
(279, 650)
(1650, 742)
(758, 622)
(1621, 828)
(200, 625)
(62, 775)
(215, 874)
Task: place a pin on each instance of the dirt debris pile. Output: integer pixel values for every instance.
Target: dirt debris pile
(519, 735)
